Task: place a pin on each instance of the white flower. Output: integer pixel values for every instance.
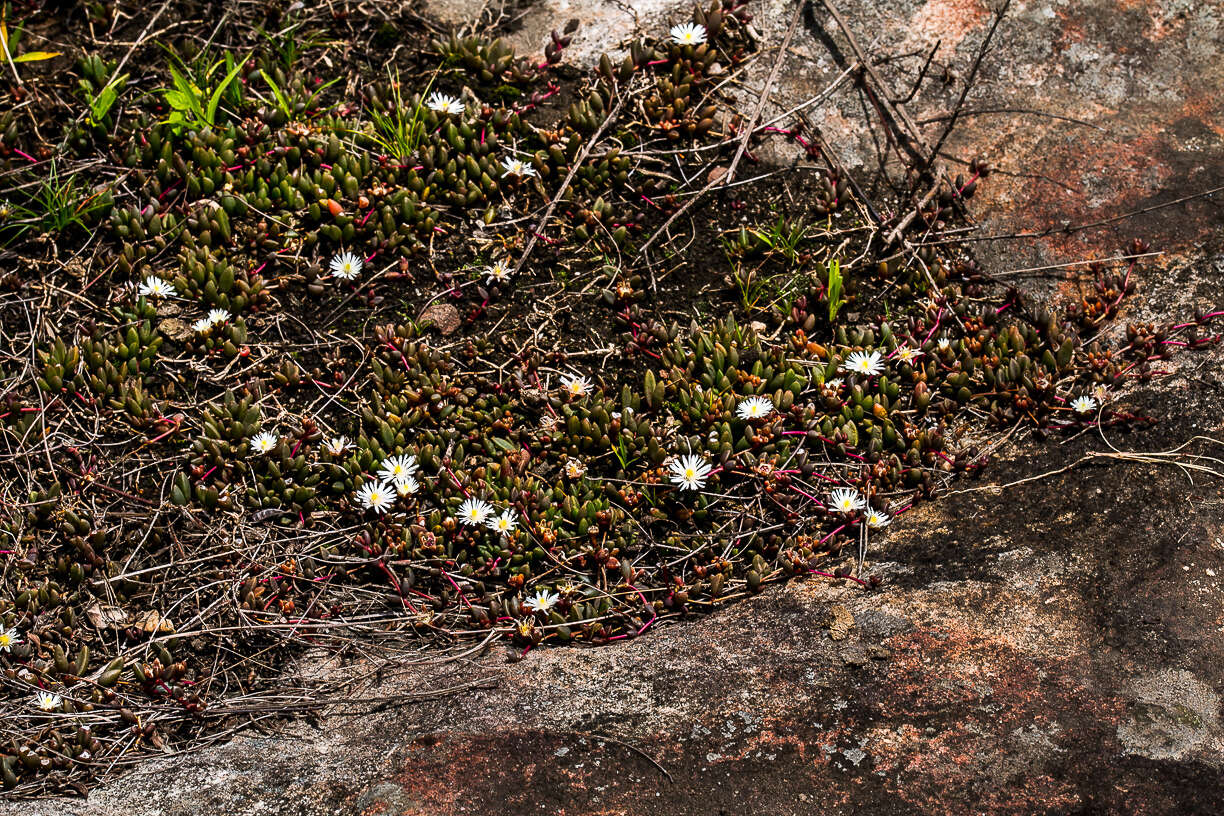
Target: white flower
(202, 325)
(754, 408)
(441, 103)
(337, 445)
(218, 316)
(846, 500)
(1101, 394)
(397, 468)
(576, 386)
(876, 519)
(1084, 404)
(943, 342)
(867, 363)
(264, 442)
(499, 272)
(575, 469)
(688, 34)
(376, 496)
(542, 601)
(346, 265)
(154, 286)
(474, 512)
(689, 471)
(407, 487)
(8, 639)
(504, 524)
(516, 167)
(48, 701)
(907, 355)
(834, 384)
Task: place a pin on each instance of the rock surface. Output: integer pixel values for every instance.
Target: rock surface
(1051, 647)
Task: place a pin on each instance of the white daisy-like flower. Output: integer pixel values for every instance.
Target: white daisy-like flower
(876, 519)
(754, 408)
(337, 445)
(407, 487)
(441, 103)
(474, 512)
(202, 325)
(1084, 404)
(504, 524)
(499, 272)
(154, 286)
(516, 167)
(377, 496)
(264, 442)
(576, 386)
(834, 384)
(688, 34)
(542, 601)
(943, 342)
(846, 500)
(690, 471)
(866, 363)
(907, 355)
(575, 469)
(218, 316)
(398, 468)
(346, 266)
(8, 639)
(48, 701)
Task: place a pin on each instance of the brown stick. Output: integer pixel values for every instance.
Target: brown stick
(552, 205)
(764, 98)
(897, 112)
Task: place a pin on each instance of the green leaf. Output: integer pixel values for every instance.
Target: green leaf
(282, 101)
(36, 56)
(216, 95)
(178, 100)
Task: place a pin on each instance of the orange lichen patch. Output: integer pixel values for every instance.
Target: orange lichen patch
(946, 20)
